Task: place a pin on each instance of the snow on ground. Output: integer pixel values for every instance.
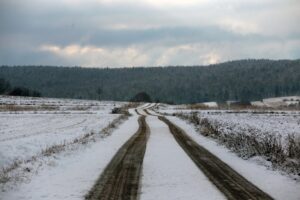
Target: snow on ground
(211, 104)
(72, 175)
(168, 172)
(141, 108)
(279, 124)
(272, 182)
(278, 102)
(152, 112)
(282, 101)
(258, 104)
(24, 134)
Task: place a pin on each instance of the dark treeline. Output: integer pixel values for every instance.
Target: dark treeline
(242, 80)
(6, 89)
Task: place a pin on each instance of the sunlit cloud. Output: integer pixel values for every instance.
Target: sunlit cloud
(90, 56)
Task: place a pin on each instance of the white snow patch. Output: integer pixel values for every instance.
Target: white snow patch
(258, 104)
(168, 172)
(282, 101)
(211, 104)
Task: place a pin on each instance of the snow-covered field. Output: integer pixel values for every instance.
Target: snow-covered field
(71, 175)
(25, 134)
(280, 124)
(10, 104)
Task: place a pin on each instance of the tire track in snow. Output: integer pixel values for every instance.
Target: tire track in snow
(121, 178)
(169, 173)
(228, 181)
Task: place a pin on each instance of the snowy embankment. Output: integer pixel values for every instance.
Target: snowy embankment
(72, 174)
(168, 172)
(274, 137)
(284, 123)
(25, 135)
(273, 182)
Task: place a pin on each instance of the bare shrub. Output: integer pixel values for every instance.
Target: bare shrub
(53, 149)
(4, 178)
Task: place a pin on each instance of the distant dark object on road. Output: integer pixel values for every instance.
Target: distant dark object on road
(141, 97)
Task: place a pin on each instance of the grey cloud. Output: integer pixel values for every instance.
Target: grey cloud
(27, 25)
(124, 37)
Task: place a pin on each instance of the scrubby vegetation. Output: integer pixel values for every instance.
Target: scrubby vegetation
(249, 143)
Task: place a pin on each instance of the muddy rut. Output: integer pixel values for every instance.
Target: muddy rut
(121, 178)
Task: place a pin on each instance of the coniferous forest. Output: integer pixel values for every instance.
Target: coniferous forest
(243, 80)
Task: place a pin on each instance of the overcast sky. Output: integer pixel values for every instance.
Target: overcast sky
(119, 33)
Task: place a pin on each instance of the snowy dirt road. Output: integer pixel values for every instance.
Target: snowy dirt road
(168, 173)
(149, 157)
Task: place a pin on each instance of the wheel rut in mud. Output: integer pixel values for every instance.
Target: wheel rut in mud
(121, 177)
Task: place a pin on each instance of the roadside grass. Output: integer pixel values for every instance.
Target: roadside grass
(250, 143)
